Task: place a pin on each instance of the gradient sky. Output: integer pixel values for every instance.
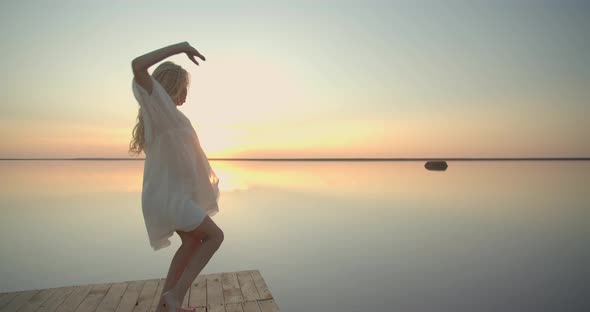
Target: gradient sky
(305, 78)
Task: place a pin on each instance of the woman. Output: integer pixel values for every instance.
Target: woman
(180, 190)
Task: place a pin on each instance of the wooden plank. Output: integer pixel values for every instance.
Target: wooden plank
(231, 288)
(251, 306)
(154, 305)
(268, 306)
(263, 290)
(214, 290)
(112, 298)
(7, 297)
(18, 301)
(242, 291)
(2, 295)
(35, 302)
(146, 296)
(94, 297)
(234, 307)
(216, 308)
(56, 299)
(199, 292)
(75, 298)
(247, 285)
(130, 296)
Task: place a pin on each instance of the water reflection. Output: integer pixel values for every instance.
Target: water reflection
(327, 236)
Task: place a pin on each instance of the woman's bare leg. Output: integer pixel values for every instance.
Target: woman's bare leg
(177, 266)
(212, 241)
(179, 262)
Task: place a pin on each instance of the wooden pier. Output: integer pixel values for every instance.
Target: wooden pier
(241, 291)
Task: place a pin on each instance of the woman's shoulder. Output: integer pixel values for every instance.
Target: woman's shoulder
(139, 89)
(159, 96)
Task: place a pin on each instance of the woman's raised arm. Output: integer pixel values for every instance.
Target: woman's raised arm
(140, 64)
(143, 62)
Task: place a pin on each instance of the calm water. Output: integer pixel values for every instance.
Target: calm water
(327, 236)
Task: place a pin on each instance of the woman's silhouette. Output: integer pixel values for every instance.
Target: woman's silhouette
(180, 190)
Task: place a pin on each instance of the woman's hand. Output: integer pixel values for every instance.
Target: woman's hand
(191, 52)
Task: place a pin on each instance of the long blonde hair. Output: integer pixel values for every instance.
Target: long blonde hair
(173, 78)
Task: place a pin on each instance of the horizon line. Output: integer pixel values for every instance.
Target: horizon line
(332, 159)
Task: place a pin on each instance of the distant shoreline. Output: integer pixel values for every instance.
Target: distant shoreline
(338, 159)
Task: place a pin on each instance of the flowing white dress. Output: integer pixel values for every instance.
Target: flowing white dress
(179, 186)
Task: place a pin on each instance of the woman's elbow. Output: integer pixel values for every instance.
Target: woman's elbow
(136, 65)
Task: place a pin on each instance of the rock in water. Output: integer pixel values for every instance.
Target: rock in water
(436, 165)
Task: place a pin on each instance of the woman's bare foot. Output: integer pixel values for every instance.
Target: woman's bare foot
(171, 304)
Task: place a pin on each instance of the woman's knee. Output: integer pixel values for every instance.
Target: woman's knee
(188, 240)
(220, 236)
(216, 236)
(208, 230)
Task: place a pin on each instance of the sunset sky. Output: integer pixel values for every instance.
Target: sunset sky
(304, 78)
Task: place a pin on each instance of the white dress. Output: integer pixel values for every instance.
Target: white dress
(179, 186)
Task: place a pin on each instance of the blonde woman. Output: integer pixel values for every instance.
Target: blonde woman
(180, 190)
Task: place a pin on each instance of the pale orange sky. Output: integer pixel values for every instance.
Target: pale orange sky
(283, 80)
